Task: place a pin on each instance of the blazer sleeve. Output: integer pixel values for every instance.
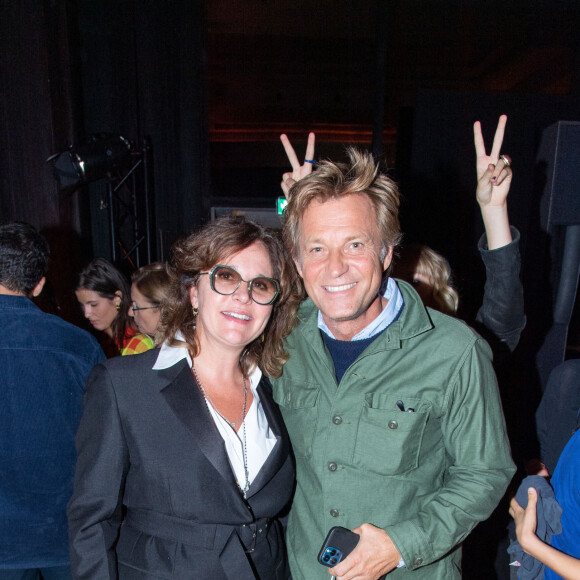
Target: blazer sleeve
(95, 509)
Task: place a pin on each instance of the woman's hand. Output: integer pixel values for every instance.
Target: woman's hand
(298, 171)
(494, 177)
(526, 520)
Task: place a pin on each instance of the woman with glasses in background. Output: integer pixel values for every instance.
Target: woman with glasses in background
(184, 467)
(149, 291)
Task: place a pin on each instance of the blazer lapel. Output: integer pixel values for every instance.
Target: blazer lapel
(280, 452)
(183, 396)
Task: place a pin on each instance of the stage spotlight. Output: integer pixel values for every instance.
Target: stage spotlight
(103, 154)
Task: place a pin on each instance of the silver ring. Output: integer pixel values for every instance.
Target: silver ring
(506, 160)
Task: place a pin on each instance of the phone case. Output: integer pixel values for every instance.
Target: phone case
(339, 543)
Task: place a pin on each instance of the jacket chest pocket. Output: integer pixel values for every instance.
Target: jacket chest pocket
(299, 406)
(389, 439)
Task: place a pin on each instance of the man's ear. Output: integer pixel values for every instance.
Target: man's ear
(298, 266)
(388, 258)
(38, 288)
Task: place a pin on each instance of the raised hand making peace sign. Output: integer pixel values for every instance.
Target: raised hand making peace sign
(494, 177)
(298, 171)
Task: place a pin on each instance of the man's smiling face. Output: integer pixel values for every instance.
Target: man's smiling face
(340, 262)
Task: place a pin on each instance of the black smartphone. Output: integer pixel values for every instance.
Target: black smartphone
(339, 543)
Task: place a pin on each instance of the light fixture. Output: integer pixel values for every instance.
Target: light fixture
(94, 160)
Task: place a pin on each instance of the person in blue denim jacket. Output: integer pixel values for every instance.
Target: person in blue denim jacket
(44, 362)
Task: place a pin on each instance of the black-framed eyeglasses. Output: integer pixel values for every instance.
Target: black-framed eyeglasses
(225, 280)
(135, 308)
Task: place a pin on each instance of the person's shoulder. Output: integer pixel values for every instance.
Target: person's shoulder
(137, 343)
(457, 333)
(306, 310)
(450, 323)
(571, 451)
(445, 329)
(134, 362)
(129, 377)
(63, 333)
(307, 319)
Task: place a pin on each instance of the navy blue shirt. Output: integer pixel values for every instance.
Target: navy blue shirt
(44, 362)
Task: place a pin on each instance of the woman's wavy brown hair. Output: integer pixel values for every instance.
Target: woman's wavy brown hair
(211, 245)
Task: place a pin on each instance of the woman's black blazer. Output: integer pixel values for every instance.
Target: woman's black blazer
(155, 495)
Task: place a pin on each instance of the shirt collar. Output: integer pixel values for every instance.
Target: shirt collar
(171, 355)
(388, 315)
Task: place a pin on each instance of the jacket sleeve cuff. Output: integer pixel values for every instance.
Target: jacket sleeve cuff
(510, 248)
(412, 544)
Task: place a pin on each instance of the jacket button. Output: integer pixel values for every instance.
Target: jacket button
(334, 513)
(337, 419)
(418, 561)
(393, 424)
(332, 466)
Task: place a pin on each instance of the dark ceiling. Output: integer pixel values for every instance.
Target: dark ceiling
(297, 64)
(346, 68)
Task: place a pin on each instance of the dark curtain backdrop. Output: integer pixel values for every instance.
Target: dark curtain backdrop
(73, 68)
(143, 75)
(39, 110)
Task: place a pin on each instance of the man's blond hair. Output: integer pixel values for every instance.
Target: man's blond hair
(337, 180)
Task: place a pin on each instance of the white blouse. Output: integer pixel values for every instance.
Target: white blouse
(259, 438)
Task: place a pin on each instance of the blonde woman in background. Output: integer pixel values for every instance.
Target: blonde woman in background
(149, 291)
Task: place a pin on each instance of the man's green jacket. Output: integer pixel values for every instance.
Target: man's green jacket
(426, 475)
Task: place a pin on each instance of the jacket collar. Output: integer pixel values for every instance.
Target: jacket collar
(11, 301)
(413, 320)
(281, 450)
(177, 386)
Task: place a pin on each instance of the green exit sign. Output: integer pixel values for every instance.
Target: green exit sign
(282, 203)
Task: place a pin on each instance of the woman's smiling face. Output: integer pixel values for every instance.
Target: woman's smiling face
(235, 320)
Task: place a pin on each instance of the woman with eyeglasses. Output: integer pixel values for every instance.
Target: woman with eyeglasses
(149, 291)
(103, 293)
(184, 467)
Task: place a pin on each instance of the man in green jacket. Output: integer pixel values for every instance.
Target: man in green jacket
(393, 409)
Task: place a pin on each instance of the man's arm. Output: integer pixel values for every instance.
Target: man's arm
(479, 464)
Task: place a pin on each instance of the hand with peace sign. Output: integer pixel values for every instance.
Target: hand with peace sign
(298, 171)
(494, 177)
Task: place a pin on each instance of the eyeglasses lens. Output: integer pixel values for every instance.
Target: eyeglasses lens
(226, 281)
